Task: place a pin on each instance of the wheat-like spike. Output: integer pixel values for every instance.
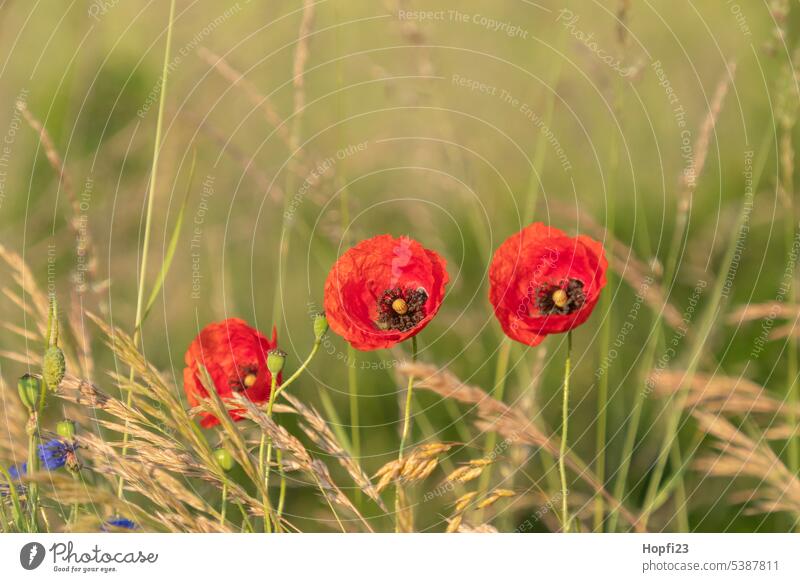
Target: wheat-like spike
(504, 492)
(482, 528)
(481, 462)
(463, 502)
(464, 474)
(392, 467)
(508, 422)
(454, 523)
(405, 515)
(386, 480)
(483, 504)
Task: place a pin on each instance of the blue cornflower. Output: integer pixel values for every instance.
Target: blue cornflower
(15, 471)
(119, 522)
(55, 453)
(18, 470)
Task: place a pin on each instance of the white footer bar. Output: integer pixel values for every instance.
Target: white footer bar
(406, 558)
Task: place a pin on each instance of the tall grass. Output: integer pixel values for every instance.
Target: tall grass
(477, 450)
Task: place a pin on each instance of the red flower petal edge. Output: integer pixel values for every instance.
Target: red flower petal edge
(543, 281)
(235, 356)
(383, 291)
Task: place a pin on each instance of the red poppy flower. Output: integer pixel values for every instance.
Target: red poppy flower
(235, 356)
(543, 281)
(383, 291)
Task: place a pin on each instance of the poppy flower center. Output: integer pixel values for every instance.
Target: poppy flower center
(401, 309)
(245, 379)
(562, 299)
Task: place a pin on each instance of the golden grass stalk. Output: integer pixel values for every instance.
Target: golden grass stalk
(321, 435)
(412, 468)
(738, 455)
(151, 194)
(720, 394)
(509, 423)
(283, 440)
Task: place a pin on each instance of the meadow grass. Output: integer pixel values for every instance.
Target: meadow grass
(687, 421)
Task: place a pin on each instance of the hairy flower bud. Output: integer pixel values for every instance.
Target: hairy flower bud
(30, 391)
(275, 361)
(320, 326)
(54, 367)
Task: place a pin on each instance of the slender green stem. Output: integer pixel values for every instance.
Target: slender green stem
(247, 527)
(330, 504)
(265, 456)
(282, 495)
(406, 431)
(602, 414)
(680, 512)
(677, 401)
(16, 506)
(264, 460)
(500, 375)
(355, 433)
(33, 418)
(288, 382)
(344, 209)
(605, 344)
(149, 217)
(3, 518)
(631, 431)
(76, 507)
(562, 469)
(792, 395)
(33, 466)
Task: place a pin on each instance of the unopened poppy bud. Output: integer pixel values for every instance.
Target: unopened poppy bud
(54, 367)
(224, 459)
(275, 361)
(66, 429)
(320, 326)
(30, 391)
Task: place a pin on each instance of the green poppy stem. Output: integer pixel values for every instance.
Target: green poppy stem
(264, 464)
(16, 506)
(33, 467)
(406, 431)
(264, 459)
(564, 426)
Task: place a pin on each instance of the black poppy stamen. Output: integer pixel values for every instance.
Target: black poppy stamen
(246, 379)
(401, 309)
(562, 299)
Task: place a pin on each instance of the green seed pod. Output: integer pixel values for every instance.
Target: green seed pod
(66, 429)
(54, 367)
(320, 326)
(275, 361)
(224, 459)
(30, 391)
